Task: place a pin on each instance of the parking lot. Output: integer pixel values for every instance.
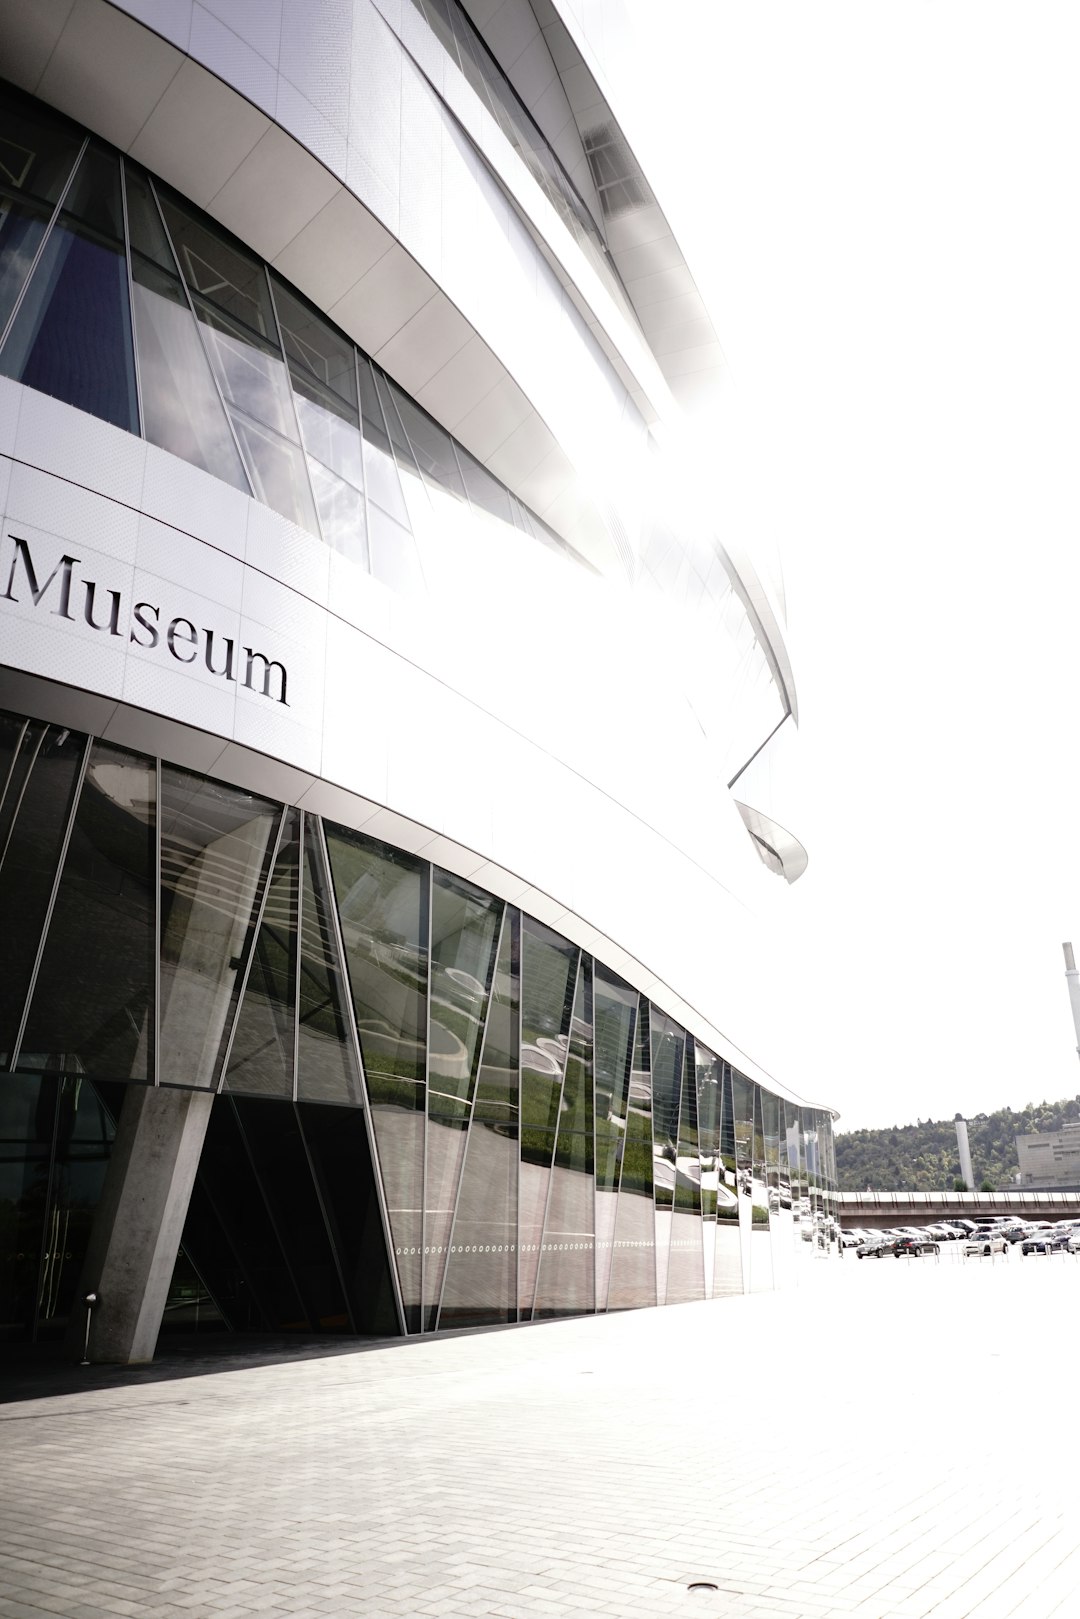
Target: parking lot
(966, 1239)
(896, 1440)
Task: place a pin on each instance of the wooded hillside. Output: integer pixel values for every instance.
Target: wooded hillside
(922, 1157)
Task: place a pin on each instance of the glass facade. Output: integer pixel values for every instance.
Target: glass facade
(124, 300)
(430, 1110)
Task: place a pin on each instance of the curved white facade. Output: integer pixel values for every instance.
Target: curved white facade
(549, 700)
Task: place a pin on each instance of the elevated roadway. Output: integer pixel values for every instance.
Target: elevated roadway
(877, 1211)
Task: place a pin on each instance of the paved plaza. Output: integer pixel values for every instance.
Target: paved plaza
(900, 1439)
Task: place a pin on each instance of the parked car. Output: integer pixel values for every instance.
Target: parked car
(915, 1246)
(874, 1247)
(1060, 1240)
(988, 1242)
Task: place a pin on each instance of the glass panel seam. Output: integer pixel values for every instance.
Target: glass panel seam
(25, 784)
(6, 783)
(256, 924)
(316, 1184)
(299, 957)
(135, 355)
(75, 797)
(555, 1135)
(50, 1182)
(157, 914)
(472, 1111)
(44, 242)
(429, 930)
(301, 441)
(350, 1016)
(184, 288)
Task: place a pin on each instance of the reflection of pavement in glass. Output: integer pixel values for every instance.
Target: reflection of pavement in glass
(465, 980)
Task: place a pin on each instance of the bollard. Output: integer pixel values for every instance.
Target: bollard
(91, 1301)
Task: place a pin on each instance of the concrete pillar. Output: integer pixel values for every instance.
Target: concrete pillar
(139, 1222)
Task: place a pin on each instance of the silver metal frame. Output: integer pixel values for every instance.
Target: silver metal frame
(296, 969)
(158, 941)
(25, 783)
(273, 849)
(427, 1098)
(208, 357)
(131, 311)
(373, 1148)
(49, 228)
(555, 1143)
(76, 795)
(472, 1107)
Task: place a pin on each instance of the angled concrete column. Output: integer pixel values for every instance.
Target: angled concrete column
(139, 1222)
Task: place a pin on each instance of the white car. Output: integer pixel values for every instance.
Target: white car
(986, 1242)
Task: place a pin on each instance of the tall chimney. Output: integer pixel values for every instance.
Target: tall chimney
(965, 1153)
(1072, 978)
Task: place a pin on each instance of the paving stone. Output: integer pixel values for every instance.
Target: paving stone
(756, 1443)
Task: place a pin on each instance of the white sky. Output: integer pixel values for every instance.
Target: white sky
(880, 205)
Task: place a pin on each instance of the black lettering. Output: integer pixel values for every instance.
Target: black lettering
(191, 639)
(151, 629)
(88, 610)
(208, 654)
(22, 554)
(267, 664)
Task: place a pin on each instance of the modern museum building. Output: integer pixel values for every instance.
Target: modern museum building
(393, 742)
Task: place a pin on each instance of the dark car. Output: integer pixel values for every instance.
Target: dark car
(914, 1245)
(1061, 1240)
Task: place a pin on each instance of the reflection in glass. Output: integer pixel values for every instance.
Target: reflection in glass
(742, 1093)
(215, 848)
(322, 368)
(71, 336)
(93, 1003)
(35, 803)
(464, 937)
(707, 1070)
(326, 1066)
(231, 295)
(686, 1277)
(262, 1059)
(37, 154)
(667, 1070)
(615, 1011)
(761, 1273)
(480, 1281)
(182, 410)
(728, 1262)
(566, 1276)
(633, 1259)
(382, 899)
(548, 980)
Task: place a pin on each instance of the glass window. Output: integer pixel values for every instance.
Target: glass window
(633, 1260)
(382, 899)
(215, 848)
(337, 1145)
(231, 295)
(464, 937)
(432, 449)
(686, 1276)
(35, 803)
(667, 1066)
(480, 1282)
(615, 1013)
(261, 1062)
(485, 493)
(93, 1008)
(37, 154)
(327, 1069)
(548, 980)
(380, 470)
(71, 337)
(182, 410)
(727, 1262)
(322, 367)
(566, 1278)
